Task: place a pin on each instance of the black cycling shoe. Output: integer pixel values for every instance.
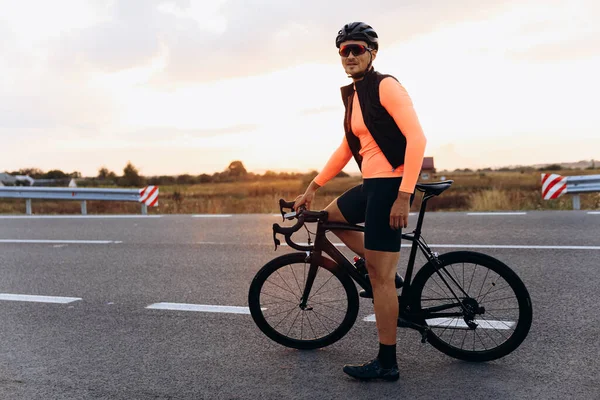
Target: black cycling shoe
(372, 370)
(368, 294)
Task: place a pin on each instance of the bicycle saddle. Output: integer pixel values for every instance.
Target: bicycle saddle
(435, 188)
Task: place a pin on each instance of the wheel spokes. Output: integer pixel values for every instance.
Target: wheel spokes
(325, 309)
(495, 325)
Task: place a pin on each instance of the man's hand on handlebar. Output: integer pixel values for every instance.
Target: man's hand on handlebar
(305, 200)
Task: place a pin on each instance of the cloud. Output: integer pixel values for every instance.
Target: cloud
(139, 70)
(323, 110)
(173, 134)
(571, 50)
(225, 39)
(264, 36)
(221, 39)
(36, 100)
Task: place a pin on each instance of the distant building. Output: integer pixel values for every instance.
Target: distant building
(427, 169)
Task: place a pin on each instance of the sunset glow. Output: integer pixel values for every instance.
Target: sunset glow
(187, 88)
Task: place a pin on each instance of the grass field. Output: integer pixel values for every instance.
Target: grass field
(476, 191)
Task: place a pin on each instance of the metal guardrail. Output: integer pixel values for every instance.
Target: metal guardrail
(582, 184)
(554, 186)
(147, 196)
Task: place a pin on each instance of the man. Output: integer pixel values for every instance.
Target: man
(383, 134)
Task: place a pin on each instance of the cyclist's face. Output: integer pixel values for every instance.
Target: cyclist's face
(356, 64)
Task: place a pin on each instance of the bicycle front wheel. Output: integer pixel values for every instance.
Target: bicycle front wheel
(275, 302)
(493, 313)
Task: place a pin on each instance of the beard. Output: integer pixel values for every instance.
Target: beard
(358, 75)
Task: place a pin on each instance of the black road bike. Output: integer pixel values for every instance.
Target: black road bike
(466, 304)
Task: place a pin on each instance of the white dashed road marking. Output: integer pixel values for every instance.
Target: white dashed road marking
(38, 299)
(461, 324)
(497, 213)
(75, 216)
(60, 241)
(199, 308)
(212, 215)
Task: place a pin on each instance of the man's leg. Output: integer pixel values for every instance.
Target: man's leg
(382, 267)
(382, 270)
(353, 239)
(382, 254)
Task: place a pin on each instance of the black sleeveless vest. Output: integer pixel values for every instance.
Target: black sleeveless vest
(380, 123)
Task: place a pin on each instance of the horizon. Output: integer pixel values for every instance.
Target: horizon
(175, 88)
(295, 171)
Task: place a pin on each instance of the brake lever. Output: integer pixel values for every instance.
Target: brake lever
(277, 242)
(285, 204)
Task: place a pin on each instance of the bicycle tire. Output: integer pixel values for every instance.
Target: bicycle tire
(258, 314)
(523, 304)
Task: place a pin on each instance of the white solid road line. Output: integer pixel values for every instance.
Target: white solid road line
(306, 244)
(38, 299)
(492, 213)
(511, 246)
(460, 324)
(199, 307)
(497, 213)
(212, 216)
(447, 246)
(76, 216)
(485, 246)
(412, 213)
(60, 241)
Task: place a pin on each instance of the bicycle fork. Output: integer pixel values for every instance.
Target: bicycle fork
(310, 280)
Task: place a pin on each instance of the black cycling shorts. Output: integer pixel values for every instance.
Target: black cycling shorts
(371, 203)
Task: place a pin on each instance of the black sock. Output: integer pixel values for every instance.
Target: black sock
(387, 355)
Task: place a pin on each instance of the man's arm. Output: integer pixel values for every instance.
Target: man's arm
(398, 104)
(338, 160)
(336, 163)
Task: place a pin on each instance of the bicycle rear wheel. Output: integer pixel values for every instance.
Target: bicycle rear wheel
(275, 295)
(499, 311)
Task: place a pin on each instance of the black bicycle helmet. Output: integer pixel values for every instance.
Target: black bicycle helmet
(357, 31)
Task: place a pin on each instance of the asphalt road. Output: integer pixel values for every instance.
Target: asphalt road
(108, 345)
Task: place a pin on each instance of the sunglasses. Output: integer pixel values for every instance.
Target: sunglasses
(356, 49)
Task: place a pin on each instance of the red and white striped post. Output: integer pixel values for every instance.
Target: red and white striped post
(148, 198)
(553, 186)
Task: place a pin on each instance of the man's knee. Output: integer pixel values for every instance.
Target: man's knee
(381, 266)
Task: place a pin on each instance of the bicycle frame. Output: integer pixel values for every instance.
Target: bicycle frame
(322, 244)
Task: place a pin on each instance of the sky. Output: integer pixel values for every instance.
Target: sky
(179, 87)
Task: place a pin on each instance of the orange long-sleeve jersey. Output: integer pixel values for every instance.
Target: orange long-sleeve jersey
(398, 104)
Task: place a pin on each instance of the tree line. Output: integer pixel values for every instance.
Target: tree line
(131, 176)
(235, 172)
